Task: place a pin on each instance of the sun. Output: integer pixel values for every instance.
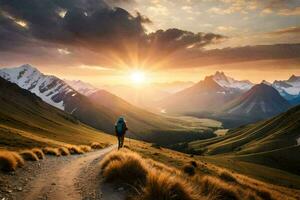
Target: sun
(138, 77)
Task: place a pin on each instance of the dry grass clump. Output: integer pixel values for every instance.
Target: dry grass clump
(29, 155)
(85, 148)
(51, 151)
(227, 177)
(96, 145)
(162, 167)
(9, 161)
(75, 150)
(167, 187)
(125, 167)
(64, 151)
(18, 158)
(39, 153)
(110, 158)
(217, 189)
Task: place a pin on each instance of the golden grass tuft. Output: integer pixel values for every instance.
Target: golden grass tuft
(167, 186)
(131, 169)
(39, 153)
(51, 151)
(64, 151)
(115, 156)
(18, 158)
(75, 150)
(227, 177)
(29, 155)
(96, 145)
(9, 161)
(162, 167)
(85, 148)
(217, 189)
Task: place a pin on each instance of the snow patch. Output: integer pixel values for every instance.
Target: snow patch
(48, 88)
(229, 82)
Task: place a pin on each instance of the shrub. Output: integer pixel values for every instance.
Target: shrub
(64, 151)
(9, 161)
(130, 170)
(75, 150)
(39, 153)
(29, 155)
(217, 189)
(96, 145)
(167, 187)
(189, 170)
(85, 148)
(228, 177)
(51, 151)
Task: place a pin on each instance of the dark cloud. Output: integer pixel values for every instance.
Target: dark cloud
(245, 54)
(40, 26)
(176, 38)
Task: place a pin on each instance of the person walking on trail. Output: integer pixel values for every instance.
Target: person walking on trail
(120, 128)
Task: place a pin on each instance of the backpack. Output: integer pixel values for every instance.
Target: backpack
(120, 127)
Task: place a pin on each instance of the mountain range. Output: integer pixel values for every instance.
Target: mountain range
(206, 95)
(221, 97)
(81, 87)
(101, 108)
(260, 102)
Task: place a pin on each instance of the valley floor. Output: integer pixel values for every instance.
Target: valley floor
(69, 178)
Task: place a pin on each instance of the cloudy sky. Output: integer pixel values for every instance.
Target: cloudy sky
(103, 41)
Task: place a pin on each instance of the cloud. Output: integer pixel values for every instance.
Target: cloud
(247, 53)
(288, 30)
(92, 30)
(226, 28)
(63, 51)
(97, 68)
(289, 11)
(280, 7)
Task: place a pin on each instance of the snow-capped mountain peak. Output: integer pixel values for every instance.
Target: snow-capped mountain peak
(266, 83)
(228, 82)
(290, 88)
(50, 89)
(82, 87)
(294, 78)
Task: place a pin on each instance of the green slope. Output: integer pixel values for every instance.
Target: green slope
(272, 142)
(26, 121)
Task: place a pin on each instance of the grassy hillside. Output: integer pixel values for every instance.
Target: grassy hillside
(271, 143)
(266, 178)
(26, 121)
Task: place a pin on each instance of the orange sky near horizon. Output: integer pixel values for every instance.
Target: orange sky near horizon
(255, 71)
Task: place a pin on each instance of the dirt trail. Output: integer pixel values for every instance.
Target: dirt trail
(65, 178)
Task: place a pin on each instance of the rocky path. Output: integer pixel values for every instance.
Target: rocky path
(60, 178)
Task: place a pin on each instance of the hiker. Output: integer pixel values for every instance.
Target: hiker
(120, 128)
